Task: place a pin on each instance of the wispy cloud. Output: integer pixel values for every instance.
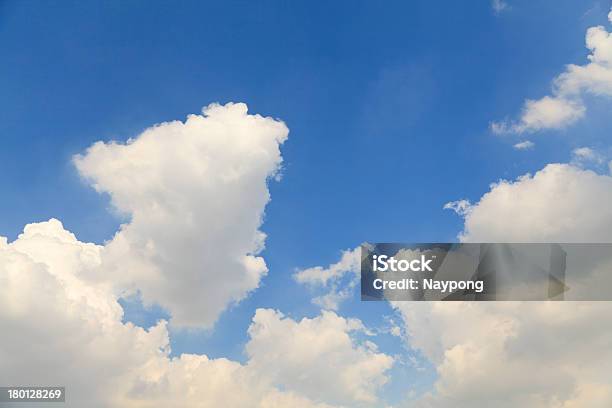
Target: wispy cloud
(525, 145)
(499, 6)
(585, 155)
(332, 279)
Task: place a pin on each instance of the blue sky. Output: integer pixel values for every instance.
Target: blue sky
(388, 109)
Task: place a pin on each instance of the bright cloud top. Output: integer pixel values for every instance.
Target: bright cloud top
(195, 192)
(565, 106)
(559, 201)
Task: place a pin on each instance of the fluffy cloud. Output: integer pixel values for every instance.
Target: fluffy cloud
(331, 278)
(560, 202)
(195, 192)
(565, 106)
(317, 357)
(528, 354)
(508, 354)
(59, 327)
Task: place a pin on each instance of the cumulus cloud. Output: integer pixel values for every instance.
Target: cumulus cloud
(195, 192)
(528, 354)
(508, 354)
(317, 357)
(565, 106)
(59, 327)
(561, 201)
(332, 278)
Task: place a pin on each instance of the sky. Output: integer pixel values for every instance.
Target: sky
(373, 119)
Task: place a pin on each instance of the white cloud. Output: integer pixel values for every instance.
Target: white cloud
(331, 277)
(508, 354)
(561, 201)
(499, 6)
(565, 106)
(525, 145)
(349, 262)
(584, 155)
(59, 327)
(317, 357)
(528, 354)
(461, 207)
(195, 192)
(546, 113)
